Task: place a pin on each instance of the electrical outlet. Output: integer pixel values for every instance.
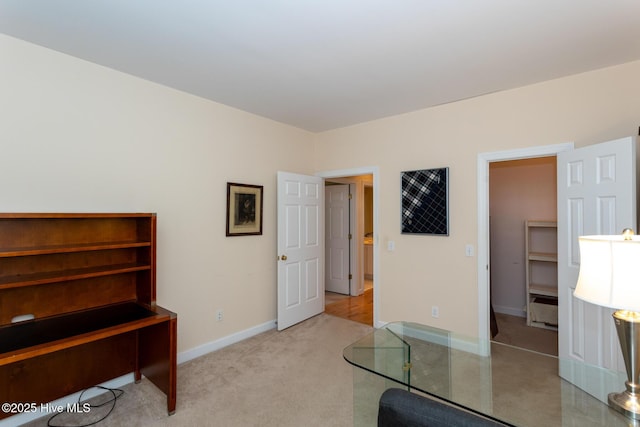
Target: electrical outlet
(219, 315)
(435, 311)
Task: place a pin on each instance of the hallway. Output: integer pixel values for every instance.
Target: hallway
(359, 309)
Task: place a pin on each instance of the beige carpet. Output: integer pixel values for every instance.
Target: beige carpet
(296, 377)
(514, 331)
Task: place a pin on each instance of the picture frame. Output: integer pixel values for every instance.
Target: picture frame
(425, 202)
(244, 209)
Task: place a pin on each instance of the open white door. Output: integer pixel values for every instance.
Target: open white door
(596, 195)
(337, 254)
(300, 248)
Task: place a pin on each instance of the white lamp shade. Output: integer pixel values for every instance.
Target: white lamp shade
(609, 272)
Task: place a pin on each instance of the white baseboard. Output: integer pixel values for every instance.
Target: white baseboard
(512, 311)
(458, 342)
(209, 347)
(185, 356)
(380, 324)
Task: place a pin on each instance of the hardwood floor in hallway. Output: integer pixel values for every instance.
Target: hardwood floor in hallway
(359, 309)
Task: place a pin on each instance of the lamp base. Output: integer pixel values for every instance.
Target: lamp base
(626, 403)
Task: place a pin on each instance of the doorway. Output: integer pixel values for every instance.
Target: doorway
(360, 305)
(483, 271)
(521, 192)
(339, 227)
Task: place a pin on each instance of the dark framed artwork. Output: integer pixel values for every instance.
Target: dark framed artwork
(425, 202)
(244, 209)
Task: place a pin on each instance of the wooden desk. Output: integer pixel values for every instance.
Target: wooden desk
(88, 283)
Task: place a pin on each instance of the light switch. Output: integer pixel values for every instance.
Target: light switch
(391, 246)
(468, 250)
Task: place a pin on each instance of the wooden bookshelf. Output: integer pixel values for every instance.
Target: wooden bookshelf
(86, 285)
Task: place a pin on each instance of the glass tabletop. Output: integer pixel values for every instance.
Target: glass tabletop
(448, 366)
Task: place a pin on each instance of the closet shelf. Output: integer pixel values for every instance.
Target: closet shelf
(541, 258)
(543, 290)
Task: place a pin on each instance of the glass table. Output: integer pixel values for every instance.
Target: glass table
(515, 386)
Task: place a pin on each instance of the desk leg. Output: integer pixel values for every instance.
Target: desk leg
(137, 375)
(158, 358)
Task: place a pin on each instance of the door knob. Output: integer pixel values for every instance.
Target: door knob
(283, 257)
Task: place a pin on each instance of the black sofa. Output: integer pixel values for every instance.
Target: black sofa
(399, 408)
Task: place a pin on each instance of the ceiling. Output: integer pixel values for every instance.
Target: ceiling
(325, 64)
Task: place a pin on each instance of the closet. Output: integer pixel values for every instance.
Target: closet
(519, 191)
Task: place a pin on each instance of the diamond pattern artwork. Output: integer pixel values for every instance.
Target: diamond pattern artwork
(425, 202)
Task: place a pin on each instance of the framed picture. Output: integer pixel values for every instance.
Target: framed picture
(425, 202)
(244, 209)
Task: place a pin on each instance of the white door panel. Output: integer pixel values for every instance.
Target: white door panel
(596, 195)
(337, 244)
(300, 209)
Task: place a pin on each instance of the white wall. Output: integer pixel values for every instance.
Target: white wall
(429, 270)
(75, 136)
(519, 190)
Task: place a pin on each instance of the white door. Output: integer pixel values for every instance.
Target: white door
(596, 195)
(337, 253)
(300, 248)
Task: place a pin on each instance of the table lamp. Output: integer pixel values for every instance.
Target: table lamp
(609, 278)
